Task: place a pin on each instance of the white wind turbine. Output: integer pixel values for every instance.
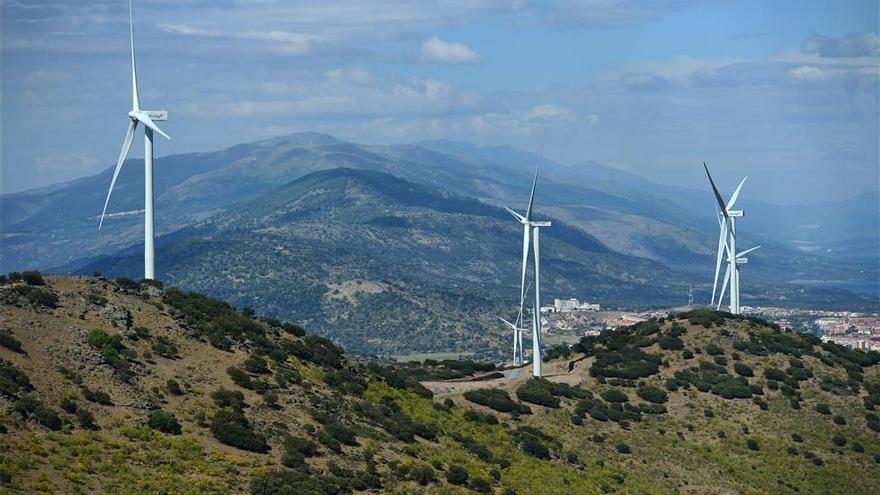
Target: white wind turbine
(727, 243)
(517, 328)
(531, 235)
(147, 118)
(741, 259)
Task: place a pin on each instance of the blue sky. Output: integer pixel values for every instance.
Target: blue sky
(785, 91)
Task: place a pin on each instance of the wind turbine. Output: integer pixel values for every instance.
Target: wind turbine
(148, 118)
(741, 259)
(727, 242)
(532, 236)
(517, 328)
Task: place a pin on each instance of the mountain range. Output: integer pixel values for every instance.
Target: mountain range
(352, 216)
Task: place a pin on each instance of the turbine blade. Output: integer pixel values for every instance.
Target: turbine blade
(511, 325)
(534, 185)
(747, 251)
(724, 286)
(135, 99)
(736, 193)
(145, 118)
(525, 260)
(126, 145)
(715, 190)
(722, 243)
(515, 214)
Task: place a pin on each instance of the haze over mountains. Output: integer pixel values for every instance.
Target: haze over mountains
(437, 239)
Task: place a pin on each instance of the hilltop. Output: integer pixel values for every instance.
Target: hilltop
(387, 266)
(114, 386)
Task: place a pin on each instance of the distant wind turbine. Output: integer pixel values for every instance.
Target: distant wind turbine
(727, 243)
(741, 259)
(517, 328)
(531, 235)
(147, 118)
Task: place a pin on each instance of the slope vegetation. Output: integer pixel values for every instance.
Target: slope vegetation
(120, 387)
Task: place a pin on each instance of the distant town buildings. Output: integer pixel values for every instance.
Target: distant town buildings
(566, 305)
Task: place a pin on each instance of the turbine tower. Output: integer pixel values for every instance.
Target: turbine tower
(148, 118)
(740, 260)
(532, 236)
(517, 328)
(727, 242)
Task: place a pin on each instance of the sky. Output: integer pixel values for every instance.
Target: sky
(783, 91)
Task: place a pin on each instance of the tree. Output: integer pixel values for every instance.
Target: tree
(652, 394)
(457, 475)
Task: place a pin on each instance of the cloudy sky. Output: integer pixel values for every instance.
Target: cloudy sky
(785, 91)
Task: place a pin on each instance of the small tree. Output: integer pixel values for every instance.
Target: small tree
(457, 475)
(165, 422)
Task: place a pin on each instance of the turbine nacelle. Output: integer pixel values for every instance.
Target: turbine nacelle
(736, 213)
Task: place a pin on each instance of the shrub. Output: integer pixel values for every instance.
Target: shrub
(239, 377)
(687, 354)
(752, 444)
(857, 447)
(743, 369)
(232, 428)
(713, 350)
(577, 420)
(165, 422)
(838, 440)
(10, 342)
(422, 474)
(86, 419)
(874, 425)
(173, 387)
(457, 475)
(761, 403)
(731, 388)
(669, 343)
(652, 394)
(296, 449)
(623, 448)
(232, 399)
(496, 399)
(47, 417)
(12, 379)
(37, 296)
(97, 396)
(256, 364)
(774, 374)
(108, 345)
(823, 408)
(797, 438)
(68, 405)
(480, 485)
(839, 420)
(708, 412)
(165, 347)
(534, 447)
(33, 277)
(536, 392)
(615, 395)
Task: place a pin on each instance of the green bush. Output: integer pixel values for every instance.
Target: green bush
(615, 395)
(623, 448)
(713, 350)
(33, 277)
(10, 342)
(232, 428)
(457, 475)
(173, 387)
(86, 419)
(422, 474)
(97, 396)
(165, 347)
(256, 364)
(743, 369)
(239, 377)
(652, 394)
(37, 296)
(12, 379)
(536, 391)
(752, 444)
(669, 343)
(838, 440)
(496, 399)
(823, 408)
(839, 420)
(165, 422)
(480, 485)
(68, 405)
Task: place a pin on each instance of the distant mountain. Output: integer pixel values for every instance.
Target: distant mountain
(55, 228)
(388, 266)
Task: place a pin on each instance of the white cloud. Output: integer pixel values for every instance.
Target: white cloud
(850, 45)
(283, 42)
(549, 113)
(593, 120)
(448, 52)
(70, 162)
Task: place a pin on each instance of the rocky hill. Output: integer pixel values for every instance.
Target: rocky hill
(120, 387)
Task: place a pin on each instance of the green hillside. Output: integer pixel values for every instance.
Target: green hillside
(120, 387)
